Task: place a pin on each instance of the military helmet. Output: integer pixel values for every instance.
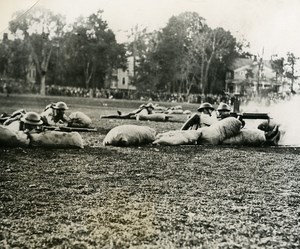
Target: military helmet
(60, 106)
(205, 105)
(32, 118)
(223, 107)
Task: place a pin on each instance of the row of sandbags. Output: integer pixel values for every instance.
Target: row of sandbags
(226, 131)
(54, 139)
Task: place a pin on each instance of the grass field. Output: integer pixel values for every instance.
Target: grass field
(147, 196)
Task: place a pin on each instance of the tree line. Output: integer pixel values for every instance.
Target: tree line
(186, 56)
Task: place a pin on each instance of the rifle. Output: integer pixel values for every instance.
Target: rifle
(68, 129)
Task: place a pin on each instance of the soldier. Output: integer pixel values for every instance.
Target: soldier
(30, 122)
(54, 115)
(223, 110)
(144, 109)
(206, 117)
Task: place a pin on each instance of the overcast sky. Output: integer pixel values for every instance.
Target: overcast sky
(270, 24)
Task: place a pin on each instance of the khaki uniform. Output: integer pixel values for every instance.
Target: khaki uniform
(49, 118)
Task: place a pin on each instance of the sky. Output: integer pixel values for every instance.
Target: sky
(271, 26)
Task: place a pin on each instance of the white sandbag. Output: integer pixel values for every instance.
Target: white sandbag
(57, 139)
(79, 119)
(187, 112)
(13, 138)
(14, 126)
(178, 137)
(127, 135)
(153, 117)
(220, 130)
(176, 111)
(249, 137)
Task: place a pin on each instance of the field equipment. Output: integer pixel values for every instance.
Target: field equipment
(249, 115)
(69, 129)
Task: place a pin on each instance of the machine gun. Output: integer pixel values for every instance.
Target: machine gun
(247, 115)
(68, 129)
(250, 115)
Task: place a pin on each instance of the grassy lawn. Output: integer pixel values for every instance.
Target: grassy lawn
(147, 196)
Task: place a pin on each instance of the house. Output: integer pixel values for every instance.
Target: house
(122, 78)
(248, 76)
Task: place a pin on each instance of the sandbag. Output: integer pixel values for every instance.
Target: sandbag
(57, 139)
(220, 130)
(153, 117)
(187, 112)
(178, 137)
(79, 119)
(14, 126)
(176, 111)
(127, 135)
(12, 138)
(249, 137)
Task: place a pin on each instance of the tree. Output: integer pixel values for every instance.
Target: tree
(290, 73)
(4, 55)
(142, 47)
(178, 68)
(278, 67)
(212, 46)
(38, 28)
(92, 51)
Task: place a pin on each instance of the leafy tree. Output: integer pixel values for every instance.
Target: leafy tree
(142, 48)
(278, 67)
(4, 56)
(174, 54)
(39, 28)
(214, 48)
(92, 51)
(19, 61)
(190, 53)
(290, 72)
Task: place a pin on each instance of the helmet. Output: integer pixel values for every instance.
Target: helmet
(223, 107)
(61, 106)
(32, 118)
(205, 105)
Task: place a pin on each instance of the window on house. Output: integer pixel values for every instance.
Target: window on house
(123, 81)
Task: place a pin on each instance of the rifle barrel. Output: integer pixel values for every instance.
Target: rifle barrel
(69, 129)
(255, 115)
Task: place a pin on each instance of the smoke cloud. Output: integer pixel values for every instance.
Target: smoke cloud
(285, 113)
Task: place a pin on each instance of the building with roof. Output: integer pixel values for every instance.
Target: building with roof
(250, 76)
(122, 78)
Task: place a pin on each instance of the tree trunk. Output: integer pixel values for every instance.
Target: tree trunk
(43, 85)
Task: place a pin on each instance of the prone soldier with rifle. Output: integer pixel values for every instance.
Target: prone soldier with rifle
(54, 118)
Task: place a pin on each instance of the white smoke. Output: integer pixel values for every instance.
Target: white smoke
(286, 113)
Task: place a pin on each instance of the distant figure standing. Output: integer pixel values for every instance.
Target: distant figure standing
(6, 89)
(236, 104)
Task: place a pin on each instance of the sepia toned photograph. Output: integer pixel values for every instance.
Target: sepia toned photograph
(139, 124)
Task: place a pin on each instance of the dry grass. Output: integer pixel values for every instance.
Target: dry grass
(147, 196)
